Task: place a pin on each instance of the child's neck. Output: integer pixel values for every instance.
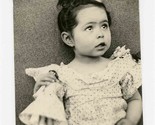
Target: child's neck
(88, 65)
(88, 60)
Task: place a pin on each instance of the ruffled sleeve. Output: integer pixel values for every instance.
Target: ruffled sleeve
(129, 71)
(36, 72)
(132, 80)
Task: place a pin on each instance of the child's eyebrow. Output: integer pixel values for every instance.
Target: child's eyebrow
(87, 23)
(105, 21)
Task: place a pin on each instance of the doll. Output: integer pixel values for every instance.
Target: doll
(37, 113)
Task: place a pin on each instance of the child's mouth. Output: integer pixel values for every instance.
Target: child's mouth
(101, 45)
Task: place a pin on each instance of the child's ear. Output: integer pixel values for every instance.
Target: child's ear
(67, 39)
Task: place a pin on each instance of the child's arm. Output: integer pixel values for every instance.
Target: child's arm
(134, 111)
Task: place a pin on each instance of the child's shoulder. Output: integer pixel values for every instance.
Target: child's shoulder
(123, 55)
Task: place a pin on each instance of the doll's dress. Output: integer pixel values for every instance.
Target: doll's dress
(48, 103)
(98, 98)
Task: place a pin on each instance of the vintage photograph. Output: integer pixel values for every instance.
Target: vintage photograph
(77, 62)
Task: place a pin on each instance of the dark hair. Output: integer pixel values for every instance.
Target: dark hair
(67, 16)
(56, 75)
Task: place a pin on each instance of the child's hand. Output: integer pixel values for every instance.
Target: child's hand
(45, 80)
(125, 122)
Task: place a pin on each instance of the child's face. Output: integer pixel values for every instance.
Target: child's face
(92, 36)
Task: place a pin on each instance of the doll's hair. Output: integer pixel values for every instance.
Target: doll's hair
(69, 8)
(56, 75)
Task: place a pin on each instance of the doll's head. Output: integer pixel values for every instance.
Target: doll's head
(84, 26)
(54, 74)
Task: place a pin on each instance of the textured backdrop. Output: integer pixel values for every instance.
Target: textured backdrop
(37, 40)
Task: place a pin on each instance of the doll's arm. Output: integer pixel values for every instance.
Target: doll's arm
(134, 111)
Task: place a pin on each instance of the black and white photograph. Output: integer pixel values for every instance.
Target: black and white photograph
(78, 62)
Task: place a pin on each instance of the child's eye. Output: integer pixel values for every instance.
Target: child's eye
(105, 26)
(89, 28)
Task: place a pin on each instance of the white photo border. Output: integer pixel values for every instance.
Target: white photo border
(7, 82)
(147, 33)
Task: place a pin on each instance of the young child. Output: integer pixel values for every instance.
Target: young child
(97, 90)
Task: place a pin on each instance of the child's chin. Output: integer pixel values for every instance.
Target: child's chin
(100, 53)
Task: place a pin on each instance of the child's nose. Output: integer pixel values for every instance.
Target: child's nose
(100, 33)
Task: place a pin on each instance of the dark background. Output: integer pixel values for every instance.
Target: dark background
(37, 40)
